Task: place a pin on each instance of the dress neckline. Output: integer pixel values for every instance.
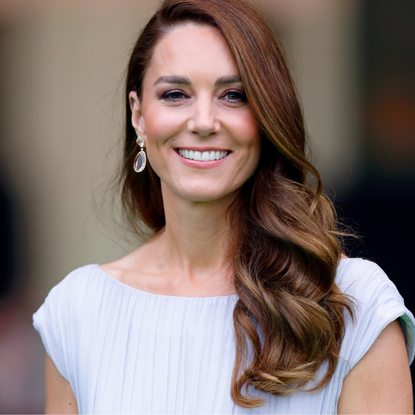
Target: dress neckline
(129, 287)
(154, 295)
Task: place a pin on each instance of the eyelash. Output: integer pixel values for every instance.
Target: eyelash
(168, 96)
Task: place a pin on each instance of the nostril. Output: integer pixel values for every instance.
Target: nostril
(203, 125)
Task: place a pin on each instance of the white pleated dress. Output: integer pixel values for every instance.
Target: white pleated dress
(125, 351)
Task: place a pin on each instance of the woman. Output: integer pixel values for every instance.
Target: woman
(240, 301)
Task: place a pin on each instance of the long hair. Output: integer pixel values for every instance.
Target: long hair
(289, 317)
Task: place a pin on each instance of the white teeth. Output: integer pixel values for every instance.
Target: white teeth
(203, 156)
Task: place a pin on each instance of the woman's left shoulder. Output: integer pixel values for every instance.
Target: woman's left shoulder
(376, 303)
(366, 282)
(354, 273)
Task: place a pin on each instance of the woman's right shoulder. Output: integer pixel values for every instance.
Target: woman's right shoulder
(70, 305)
(81, 277)
(80, 285)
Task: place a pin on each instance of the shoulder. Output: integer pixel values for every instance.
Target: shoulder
(354, 273)
(68, 306)
(377, 303)
(77, 280)
(70, 293)
(79, 290)
(365, 282)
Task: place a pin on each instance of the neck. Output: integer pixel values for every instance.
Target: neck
(196, 237)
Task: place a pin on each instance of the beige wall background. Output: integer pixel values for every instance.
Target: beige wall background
(62, 63)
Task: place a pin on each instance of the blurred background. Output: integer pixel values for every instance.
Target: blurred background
(61, 71)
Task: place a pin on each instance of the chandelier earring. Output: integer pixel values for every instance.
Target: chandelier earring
(141, 158)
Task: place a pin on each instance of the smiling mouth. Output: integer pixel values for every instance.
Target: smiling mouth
(203, 155)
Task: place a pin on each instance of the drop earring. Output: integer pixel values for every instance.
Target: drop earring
(141, 159)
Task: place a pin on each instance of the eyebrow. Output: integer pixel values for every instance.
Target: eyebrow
(229, 79)
(173, 79)
(183, 80)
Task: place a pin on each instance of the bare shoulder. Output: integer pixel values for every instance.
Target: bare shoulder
(60, 398)
(381, 381)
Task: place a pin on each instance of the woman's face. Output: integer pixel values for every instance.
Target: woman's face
(201, 137)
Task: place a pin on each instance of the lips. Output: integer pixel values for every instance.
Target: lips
(196, 155)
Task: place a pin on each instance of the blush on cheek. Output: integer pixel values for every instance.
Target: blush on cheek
(161, 127)
(252, 129)
(247, 127)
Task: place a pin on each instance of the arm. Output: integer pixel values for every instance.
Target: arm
(59, 396)
(381, 381)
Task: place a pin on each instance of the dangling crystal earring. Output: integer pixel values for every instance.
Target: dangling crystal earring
(141, 159)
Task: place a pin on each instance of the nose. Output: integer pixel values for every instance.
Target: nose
(203, 120)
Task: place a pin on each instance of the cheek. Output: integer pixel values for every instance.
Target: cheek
(251, 139)
(160, 124)
(160, 127)
(248, 132)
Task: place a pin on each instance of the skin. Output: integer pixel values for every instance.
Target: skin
(203, 114)
(380, 383)
(59, 396)
(206, 109)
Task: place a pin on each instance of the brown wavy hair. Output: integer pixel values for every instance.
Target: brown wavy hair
(289, 317)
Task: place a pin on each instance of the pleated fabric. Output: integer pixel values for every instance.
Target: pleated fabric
(125, 351)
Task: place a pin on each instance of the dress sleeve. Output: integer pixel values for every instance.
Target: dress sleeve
(56, 322)
(377, 303)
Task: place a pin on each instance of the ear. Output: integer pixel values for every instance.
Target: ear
(137, 119)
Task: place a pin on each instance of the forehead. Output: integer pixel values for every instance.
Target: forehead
(192, 50)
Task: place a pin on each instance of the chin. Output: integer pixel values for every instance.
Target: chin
(208, 196)
(199, 191)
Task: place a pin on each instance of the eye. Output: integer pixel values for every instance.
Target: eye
(173, 96)
(235, 97)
